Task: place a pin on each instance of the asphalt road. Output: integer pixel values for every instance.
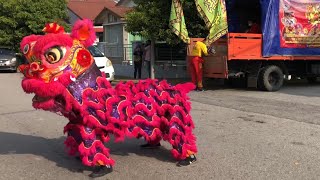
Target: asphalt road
(241, 134)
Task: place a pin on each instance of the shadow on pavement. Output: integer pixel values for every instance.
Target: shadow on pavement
(53, 150)
(293, 87)
(301, 88)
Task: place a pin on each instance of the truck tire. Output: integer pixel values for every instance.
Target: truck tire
(270, 78)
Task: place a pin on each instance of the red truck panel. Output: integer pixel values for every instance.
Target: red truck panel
(245, 46)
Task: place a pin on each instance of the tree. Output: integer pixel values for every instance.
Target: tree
(150, 19)
(19, 18)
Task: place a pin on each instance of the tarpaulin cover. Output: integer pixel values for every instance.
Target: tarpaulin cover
(290, 27)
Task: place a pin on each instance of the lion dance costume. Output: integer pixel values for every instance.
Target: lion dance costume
(65, 80)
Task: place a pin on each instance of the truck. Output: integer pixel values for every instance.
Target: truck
(287, 47)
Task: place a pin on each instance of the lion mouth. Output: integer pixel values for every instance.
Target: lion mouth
(58, 100)
(39, 99)
(54, 104)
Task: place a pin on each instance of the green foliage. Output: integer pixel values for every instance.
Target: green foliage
(150, 19)
(19, 18)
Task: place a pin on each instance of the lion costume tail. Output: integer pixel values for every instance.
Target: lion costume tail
(186, 87)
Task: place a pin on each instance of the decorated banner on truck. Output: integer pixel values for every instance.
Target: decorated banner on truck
(291, 27)
(177, 21)
(299, 23)
(213, 12)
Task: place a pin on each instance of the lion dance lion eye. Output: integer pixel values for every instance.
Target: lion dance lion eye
(55, 54)
(26, 49)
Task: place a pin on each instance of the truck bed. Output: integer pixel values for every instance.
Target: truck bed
(237, 47)
(245, 46)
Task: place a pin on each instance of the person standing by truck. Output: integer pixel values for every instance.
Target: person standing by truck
(198, 51)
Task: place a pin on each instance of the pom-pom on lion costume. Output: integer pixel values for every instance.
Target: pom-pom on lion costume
(65, 80)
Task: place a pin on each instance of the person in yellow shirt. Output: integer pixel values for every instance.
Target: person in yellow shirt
(198, 51)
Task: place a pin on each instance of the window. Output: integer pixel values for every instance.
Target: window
(112, 18)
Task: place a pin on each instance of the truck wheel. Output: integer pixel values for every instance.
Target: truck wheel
(270, 78)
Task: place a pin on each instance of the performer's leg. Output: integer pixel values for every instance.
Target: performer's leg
(195, 62)
(192, 70)
(183, 143)
(199, 74)
(152, 136)
(150, 145)
(87, 143)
